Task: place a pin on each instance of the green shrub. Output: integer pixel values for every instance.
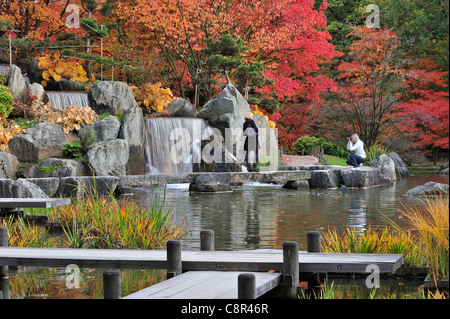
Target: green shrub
(73, 150)
(6, 101)
(305, 143)
(375, 151)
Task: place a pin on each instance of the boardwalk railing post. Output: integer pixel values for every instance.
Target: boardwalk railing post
(3, 243)
(314, 245)
(313, 242)
(174, 266)
(290, 269)
(207, 240)
(247, 286)
(112, 287)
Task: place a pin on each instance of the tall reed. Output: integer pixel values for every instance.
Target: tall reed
(373, 241)
(23, 234)
(430, 221)
(96, 221)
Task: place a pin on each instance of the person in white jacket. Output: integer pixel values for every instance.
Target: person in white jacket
(356, 146)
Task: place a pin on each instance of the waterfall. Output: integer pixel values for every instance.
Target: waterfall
(61, 99)
(173, 145)
(4, 69)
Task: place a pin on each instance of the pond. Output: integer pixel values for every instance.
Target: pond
(256, 215)
(253, 216)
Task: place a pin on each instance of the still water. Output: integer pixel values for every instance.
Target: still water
(256, 215)
(252, 216)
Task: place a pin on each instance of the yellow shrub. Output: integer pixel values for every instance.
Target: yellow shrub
(70, 118)
(153, 97)
(58, 68)
(8, 129)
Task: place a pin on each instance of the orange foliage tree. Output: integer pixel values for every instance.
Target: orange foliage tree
(378, 80)
(286, 36)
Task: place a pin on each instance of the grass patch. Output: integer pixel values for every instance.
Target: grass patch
(334, 160)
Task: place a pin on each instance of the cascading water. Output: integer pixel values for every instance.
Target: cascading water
(173, 145)
(61, 99)
(4, 69)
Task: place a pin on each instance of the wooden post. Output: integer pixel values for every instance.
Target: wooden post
(112, 287)
(313, 242)
(4, 289)
(247, 286)
(290, 269)
(174, 266)
(3, 243)
(207, 240)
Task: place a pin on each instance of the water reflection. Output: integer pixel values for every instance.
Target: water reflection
(256, 216)
(357, 215)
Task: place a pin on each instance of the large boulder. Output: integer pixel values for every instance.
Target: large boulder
(109, 158)
(133, 131)
(25, 189)
(55, 167)
(226, 112)
(16, 82)
(49, 185)
(8, 165)
(106, 129)
(42, 141)
(34, 72)
(443, 170)
(6, 188)
(400, 167)
(430, 188)
(38, 91)
(363, 177)
(182, 108)
(386, 166)
(79, 186)
(111, 97)
(71, 86)
(325, 178)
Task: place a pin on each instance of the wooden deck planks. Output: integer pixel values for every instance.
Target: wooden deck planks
(205, 285)
(33, 202)
(247, 261)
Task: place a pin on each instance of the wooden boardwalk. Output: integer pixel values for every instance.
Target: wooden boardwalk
(206, 285)
(261, 260)
(33, 202)
(206, 273)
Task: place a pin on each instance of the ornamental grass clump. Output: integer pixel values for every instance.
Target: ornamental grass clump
(430, 221)
(23, 234)
(373, 241)
(105, 222)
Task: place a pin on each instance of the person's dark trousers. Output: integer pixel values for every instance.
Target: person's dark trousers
(355, 160)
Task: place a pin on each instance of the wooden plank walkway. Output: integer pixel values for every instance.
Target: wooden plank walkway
(206, 285)
(261, 260)
(33, 202)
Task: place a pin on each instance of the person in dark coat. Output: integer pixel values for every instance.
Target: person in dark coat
(251, 142)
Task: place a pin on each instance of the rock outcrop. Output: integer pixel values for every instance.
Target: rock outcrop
(111, 97)
(109, 158)
(42, 141)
